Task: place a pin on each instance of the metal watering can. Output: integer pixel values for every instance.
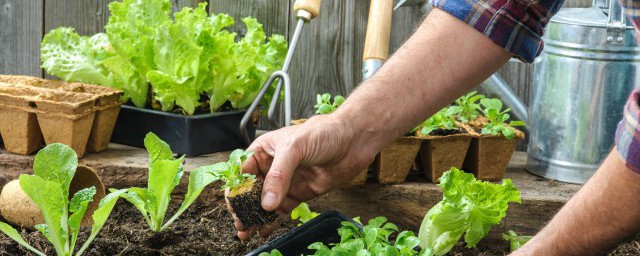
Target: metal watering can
(588, 68)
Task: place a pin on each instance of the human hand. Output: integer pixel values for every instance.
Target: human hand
(304, 161)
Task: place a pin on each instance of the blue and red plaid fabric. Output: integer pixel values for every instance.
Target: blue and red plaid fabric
(515, 25)
(518, 25)
(628, 134)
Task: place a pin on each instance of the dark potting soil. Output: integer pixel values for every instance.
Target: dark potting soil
(206, 228)
(446, 132)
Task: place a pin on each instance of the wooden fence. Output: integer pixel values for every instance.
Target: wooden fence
(328, 58)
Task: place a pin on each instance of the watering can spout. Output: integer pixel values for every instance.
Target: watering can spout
(496, 86)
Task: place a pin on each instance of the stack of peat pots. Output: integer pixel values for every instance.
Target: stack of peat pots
(462, 146)
(35, 110)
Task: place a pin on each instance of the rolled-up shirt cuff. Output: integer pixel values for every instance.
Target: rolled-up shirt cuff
(628, 134)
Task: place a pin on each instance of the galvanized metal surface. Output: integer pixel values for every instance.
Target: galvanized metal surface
(582, 80)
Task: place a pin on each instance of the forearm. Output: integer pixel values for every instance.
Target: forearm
(602, 213)
(442, 60)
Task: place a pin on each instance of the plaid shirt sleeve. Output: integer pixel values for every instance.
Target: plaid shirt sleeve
(515, 25)
(628, 134)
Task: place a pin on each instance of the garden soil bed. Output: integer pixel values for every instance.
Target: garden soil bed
(206, 228)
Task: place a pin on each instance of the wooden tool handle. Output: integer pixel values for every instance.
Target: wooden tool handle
(376, 44)
(311, 6)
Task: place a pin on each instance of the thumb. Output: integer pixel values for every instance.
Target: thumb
(278, 179)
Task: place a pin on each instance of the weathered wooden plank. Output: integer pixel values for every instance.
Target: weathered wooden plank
(177, 5)
(20, 36)
(405, 21)
(329, 54)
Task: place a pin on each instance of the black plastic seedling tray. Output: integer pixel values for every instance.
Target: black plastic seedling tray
(187, 135)
(323, 228)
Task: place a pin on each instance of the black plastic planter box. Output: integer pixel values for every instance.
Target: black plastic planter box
(323, 228)
(187, 135)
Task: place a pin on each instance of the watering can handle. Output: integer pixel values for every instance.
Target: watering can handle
(616, 24)
(376, 44)
(307, 9)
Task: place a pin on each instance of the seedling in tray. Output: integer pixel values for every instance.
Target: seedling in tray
(497, 118)
(325, 106)
(244, 190)
(54, 167)
(468, 106)
(443, 123)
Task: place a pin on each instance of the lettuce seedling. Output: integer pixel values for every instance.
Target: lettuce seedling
(273, 252)
(468, 207)
(442, 120)
(468, 106)
(165, 173)
(245, 190)
(54, 167)
(303, 213)
(515, 240)
(324, 105)
(372, 239)
(497, 118)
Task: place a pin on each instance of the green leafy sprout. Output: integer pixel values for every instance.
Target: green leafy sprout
(515, 240)
(469, 109)
(230, 172)
(492, 109)
(469, 207)
(303, 214)
(184, 63)
(372, 239)
(165, 173)
(54, 167)
(325, 106)
(442, 120)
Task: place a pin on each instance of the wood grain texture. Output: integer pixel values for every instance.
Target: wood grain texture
(329, 54)
(405, 22)
(376, 44)
(20, 36)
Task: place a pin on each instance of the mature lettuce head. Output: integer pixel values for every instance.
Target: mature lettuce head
(186, 61)
(468, 207)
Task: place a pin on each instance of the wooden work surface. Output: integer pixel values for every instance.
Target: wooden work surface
(405, 204)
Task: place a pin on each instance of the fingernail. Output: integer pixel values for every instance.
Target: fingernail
(269, 200)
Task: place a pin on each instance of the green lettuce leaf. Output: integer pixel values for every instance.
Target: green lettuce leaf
(56, 162)
(78, 206)
(100, 216)
(468, 207)
(198, 180)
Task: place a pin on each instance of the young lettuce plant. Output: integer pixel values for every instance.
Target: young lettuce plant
(515, 240)
(497, 118)
(442, 120)
(468, 106)
(372, 239)
(54, 167)
(165, 173)
(244, 190)
(324, 105)
(469, 207)
(303, 214)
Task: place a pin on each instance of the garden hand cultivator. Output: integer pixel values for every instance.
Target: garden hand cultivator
(305, 11)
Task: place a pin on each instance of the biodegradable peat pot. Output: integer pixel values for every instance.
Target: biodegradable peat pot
(188, 135)
(17, 208)
(323, 228)
(102, 129)
(394, 162)
(72, 130)
(107, 101)
(245, 202)
(439, 153)
(489, 155)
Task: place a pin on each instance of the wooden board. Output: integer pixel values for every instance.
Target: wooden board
(20, 36)
(329, 54)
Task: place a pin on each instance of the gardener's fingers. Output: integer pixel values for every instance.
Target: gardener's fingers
(278, 179)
